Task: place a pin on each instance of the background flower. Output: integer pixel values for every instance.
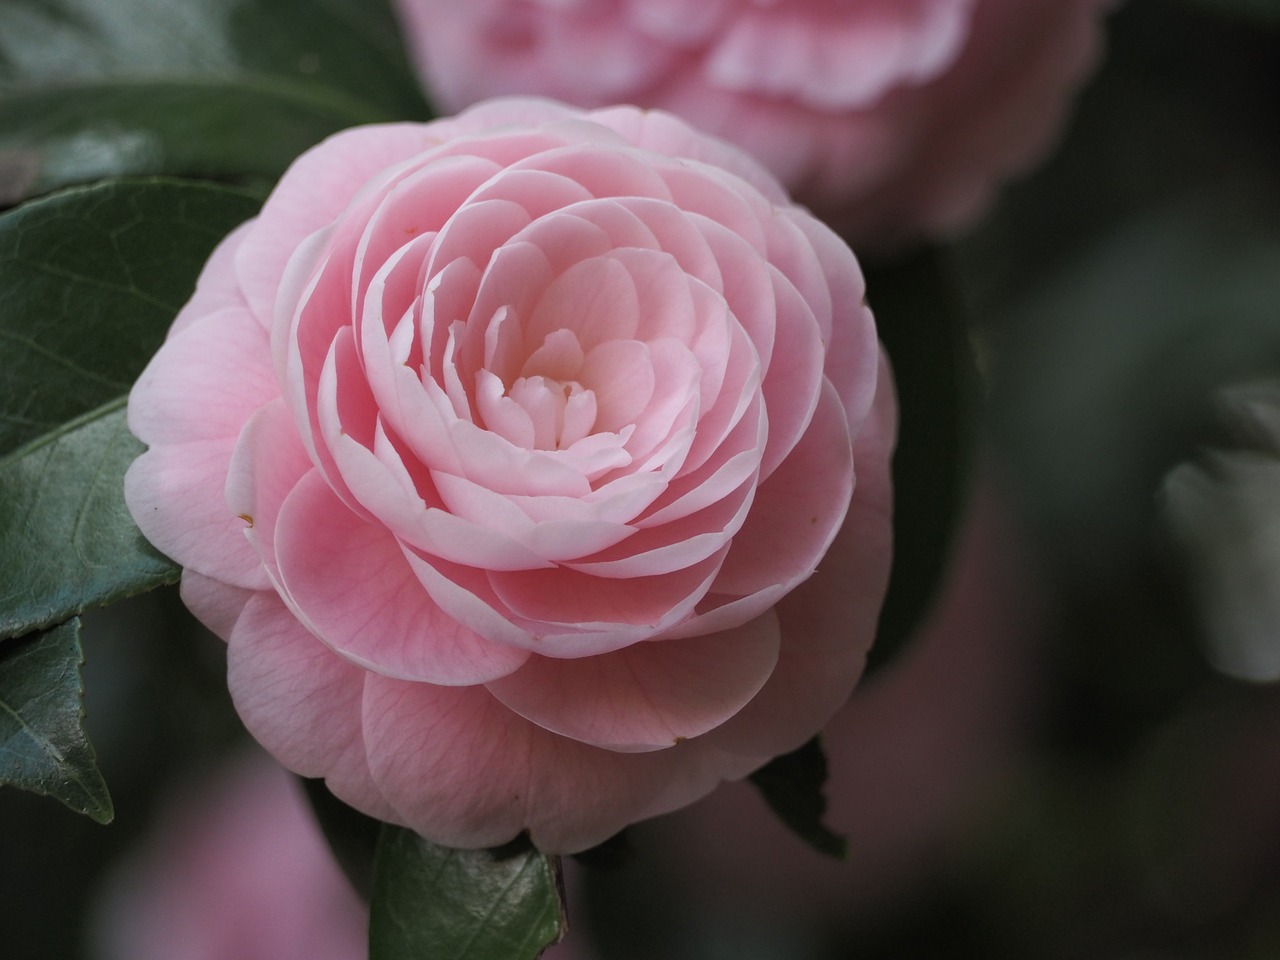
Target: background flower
(499, 450)
(234, 869)
(891, 118)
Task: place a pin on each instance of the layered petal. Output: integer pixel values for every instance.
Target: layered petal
(301, 701)
(647, 696)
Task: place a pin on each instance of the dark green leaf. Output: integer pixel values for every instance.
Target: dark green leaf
(89, 282)
(91, 89)
(920, 320)
(217, 129)
(43, 747)
(431, 901)
(792, 785)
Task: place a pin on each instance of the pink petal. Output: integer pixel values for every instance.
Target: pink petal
(676, 545)
(718, 196)
(475, 231)
(853, 353)
(352, 587)
(311, 195)
(667, 134)
(841, 61)
(465, 771)
(662, 292)
(596, 299)
(267, 464)
(736, 459)
(175, 494)
(591, 228)
(794, 380)
(647, 696)
(560, 357)
(565, 597)
(387, 303)
(450, 296)
(205, 381)
(670, 229)
(301, 702)
(556, 539)
(493, 462)
(666, 430)
(537, 191)
(618, 501)
(407, 501)
(739, 399)
(622, 377)
(418, 204)
(464, 593)
(797, 511)
(605, 169)
(515, 277)
(828, 622)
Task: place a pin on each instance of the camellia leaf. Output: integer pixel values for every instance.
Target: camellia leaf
(229, 88)
(43, 747)
(792, 785)
(432, 901)
(90, 280)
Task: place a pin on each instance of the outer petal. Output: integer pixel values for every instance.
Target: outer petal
(267, 464)
(465, 771)
(205, 381)
(647, 696)
(310, 195)
(301, 701)
(175, 495)
(829, 622)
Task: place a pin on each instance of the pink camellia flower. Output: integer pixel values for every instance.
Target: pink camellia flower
(500, 450)
(891, 118)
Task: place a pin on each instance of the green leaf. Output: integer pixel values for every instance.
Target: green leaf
(432, 901)
(922, 325)
(218, 129)
(792, 785)
(43, 747)
(89, 281)
(230, 88)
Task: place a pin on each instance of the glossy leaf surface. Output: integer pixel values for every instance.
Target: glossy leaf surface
(225, 88)
(43, 747)
(431, 901)
(89, 282)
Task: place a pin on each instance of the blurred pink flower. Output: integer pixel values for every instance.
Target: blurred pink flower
(891, 118)
(235, 869)
(503, 450)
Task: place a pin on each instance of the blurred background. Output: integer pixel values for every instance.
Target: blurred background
(1072, 751)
